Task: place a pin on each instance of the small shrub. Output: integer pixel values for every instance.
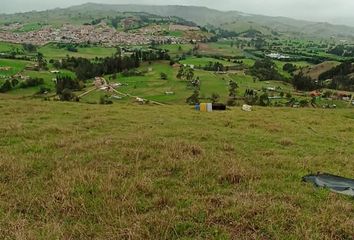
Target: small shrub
(194, 98)
(327, 94)
(264, 100)
(105, 100)
(231, 102)
(132, 73)
(14, 82)
(7, 86)
(304, 103)
(43, 90)
(163, 76)
(66, 95)
(215, 98)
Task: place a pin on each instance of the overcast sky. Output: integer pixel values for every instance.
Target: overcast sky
(319, 10)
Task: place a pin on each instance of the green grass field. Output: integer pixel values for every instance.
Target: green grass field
(176, 49)
(222, 48)
(280, 65)
(175, 33)
(79, 171)
(7, 47)
(203, 61)
(28, 92)
(248, 62)
(18, 66)
(30, 27)
(152, 87)
(15, 66)
(51, 51)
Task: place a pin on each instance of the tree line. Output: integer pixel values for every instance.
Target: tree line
(86, 68)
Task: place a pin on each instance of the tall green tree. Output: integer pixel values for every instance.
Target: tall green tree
(42, 63)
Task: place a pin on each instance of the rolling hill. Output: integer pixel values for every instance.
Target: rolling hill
(230, 20)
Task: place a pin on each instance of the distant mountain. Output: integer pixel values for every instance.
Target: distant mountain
(233, 20)
(343, 21)
(229, 20)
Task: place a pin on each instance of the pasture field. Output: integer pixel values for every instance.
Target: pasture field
(243, 26)
(315, 71)
(30, 27)
(81, 171)
(47, 76)
(249, 62)
(203, 61)
(222, 48)
(280, 65)
(175, 33)
(14, 66)
(152, 87)
(177, 49)
(7, 47)
(51, 51)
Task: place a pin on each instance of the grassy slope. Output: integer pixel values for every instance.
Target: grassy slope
(16, 66)
(30, 27)
(123, 171)
(177, 49)
(6, 47)
(219, 48)
(50, 51)
(205, 61)
(280, 65)
(316, 70)
(152, 87)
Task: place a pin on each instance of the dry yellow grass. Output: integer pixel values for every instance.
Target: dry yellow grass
(77, 171)
(315, 71)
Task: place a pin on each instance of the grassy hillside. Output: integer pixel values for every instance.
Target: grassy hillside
(202, 62)
(52, 51)
(13, 67)
(70, 170)
(6, 47)
(315, 71)
(232, 20)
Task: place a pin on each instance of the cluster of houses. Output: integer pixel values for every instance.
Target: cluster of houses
(11, 27)
(338, 95)
(101, 34)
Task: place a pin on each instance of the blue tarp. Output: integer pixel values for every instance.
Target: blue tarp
(334, 183)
